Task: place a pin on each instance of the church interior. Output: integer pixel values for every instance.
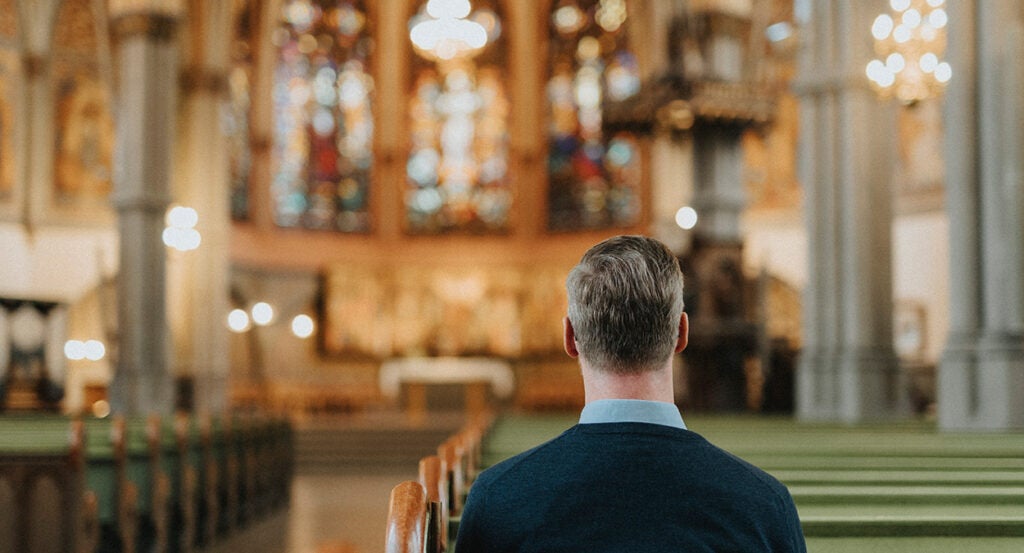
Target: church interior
(299, 245)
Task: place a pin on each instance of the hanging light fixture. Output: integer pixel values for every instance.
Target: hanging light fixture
(910, 41)
(445, 32)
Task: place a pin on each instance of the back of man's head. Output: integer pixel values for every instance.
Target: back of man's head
(625, 302)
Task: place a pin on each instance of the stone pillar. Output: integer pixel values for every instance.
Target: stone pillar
(816, 393)
(146, 60)
(848, 370)
(981, 375)
(200, 283)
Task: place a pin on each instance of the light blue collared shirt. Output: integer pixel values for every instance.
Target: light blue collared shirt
(632, 410)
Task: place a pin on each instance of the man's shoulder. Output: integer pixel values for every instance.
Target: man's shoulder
(740, 477)
(538, 455)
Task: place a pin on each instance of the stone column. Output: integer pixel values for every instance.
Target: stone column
(201, 334)
(816, 383)
(146, 60)
(981, 375)
(817, 392)
(848, 370)
(719, 196)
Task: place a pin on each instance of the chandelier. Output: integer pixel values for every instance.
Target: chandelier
(910, 42)
(445, 33)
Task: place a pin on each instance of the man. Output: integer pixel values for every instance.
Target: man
(629, 476)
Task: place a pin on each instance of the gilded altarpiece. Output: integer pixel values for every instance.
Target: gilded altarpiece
(394, 311)
(9, 79)
(10, 83)
(82, 114)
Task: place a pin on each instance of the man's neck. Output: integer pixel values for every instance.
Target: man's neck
(649, 385)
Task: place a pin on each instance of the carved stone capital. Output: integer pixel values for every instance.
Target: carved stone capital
(260, 144)
(33, 65)
(196, 79)
(153, 26)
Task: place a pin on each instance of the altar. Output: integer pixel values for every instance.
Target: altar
(476, 374)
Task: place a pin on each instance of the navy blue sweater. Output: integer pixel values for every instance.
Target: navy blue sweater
(621, 487)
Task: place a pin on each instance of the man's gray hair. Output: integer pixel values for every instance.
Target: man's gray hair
(625, 302)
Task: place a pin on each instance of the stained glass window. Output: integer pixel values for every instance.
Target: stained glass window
(84, 126)
(457, 171)
(323, 119)
(594, 179)
(237, 112)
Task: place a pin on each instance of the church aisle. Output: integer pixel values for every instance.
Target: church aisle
(329, 513)
(340, 513)
(346, 467)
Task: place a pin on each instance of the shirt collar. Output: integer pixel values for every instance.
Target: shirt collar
(632, 410)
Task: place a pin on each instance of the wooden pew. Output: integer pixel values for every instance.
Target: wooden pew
(893, 487)
(144, 449)
(282, 468)
(44, 503)
(179, 441)
(408, 519)
(433, 478)
(107, 476)
(459, 461)
(123, 486)
(225, 458)
(204, 460)
(453, 457)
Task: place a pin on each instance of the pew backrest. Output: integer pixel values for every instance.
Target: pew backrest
(452, 454)
(407, 519)
(433, 477)
(44, 504)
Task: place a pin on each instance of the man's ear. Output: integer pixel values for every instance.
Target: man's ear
(684, 333)
(569, 338)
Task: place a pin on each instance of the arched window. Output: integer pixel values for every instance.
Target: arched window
(594, 179)
(84, 126)
(10, 77)
(236, 122)
(323, 119)
(457, 171)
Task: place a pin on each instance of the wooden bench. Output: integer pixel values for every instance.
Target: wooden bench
(910, 544)
(144, 449)
(107, 476)
(877, 487)
(43, 489)
(142, 484)
(433, 478)
(226, 466)
(408, 519)
(180, 441)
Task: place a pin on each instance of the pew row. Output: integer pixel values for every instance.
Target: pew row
(898, 487)
(142, 484)
(423, 514)
(44, 503)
